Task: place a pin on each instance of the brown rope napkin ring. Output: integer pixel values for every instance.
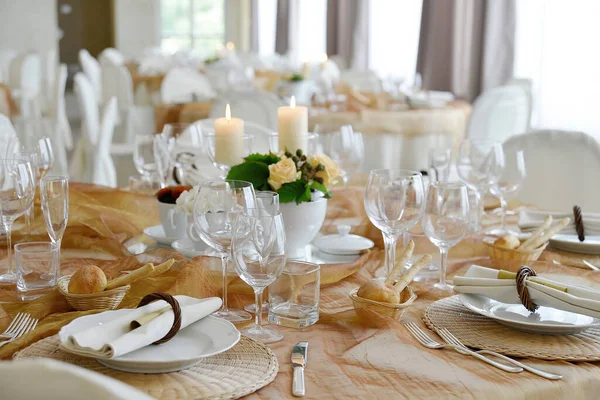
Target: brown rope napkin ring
(579, 223)
(176, 311)
(522, 290)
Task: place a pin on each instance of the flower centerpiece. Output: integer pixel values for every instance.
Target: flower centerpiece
(302, 182)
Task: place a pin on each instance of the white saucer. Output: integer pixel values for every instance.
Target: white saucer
(205, 338)
(187, 249)
(158, 233)
(591, 244)
(545, 320)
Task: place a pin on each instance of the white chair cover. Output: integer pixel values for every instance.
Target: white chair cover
(562, 170)
(104, 172)
(91, 68)
(527, 85)
(6, 58)
(8, 137)
(49, 76)
(499, 114)
(257, 107)
(26, 83)
(184, 85)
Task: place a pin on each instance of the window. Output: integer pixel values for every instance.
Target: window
(267, 20)
(192, 24)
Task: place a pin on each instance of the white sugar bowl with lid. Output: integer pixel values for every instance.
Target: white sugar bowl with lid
(343, 243)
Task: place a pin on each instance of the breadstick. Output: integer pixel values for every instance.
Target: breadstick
(136, 275)
(162, 268)
(538, 232)
(407, 278)
(399, 268)
(559, 226)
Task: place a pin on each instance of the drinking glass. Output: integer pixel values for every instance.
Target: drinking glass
(183, 142)
(225, 155)
(31, 157)
(143, 154)
(216, 207)
(479, 164)
(312, 143)
(162, 158)
(343, 145)
(35, 135)
(17, 189)
(146, 184)
(54, 193)
(258, 252)
(440, 161)
(508, 186)
(394, 201)
(38, 268)
(446, 221)
(269, 201)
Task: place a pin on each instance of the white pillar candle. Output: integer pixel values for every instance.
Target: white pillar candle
(293, 127)
(228, 139)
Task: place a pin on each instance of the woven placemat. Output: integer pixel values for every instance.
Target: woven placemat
(242, 370)
(481, 332)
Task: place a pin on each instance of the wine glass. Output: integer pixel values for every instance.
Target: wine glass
(162, 158)
(479, 164)
(216, 207)
(446, 221)
(54, 193)
(183, 142)
(394, 201)
(343, 145)
(31, 157)
(17, 189)
(508, 186)
(258, 251)
(35, 135)
(440, 160)
(143, 154)
(269, 201)
(224, 154)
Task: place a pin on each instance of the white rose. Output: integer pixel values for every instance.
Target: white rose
(185, 201)
(282, 172)
(332, 170)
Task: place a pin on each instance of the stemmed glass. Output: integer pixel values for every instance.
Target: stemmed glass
(440, 161)
(479, 164)
(181, 141)
(394, 201)
(17, 189)
(258, 251)
(343, 145)
(508, 186)
(446, 220)
(216, 207)
(54, 192)
(144, 155)
(222, 155)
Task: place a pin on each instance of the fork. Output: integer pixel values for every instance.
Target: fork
(428, 342)
(9, 333)
(450, 338)
(24, 328)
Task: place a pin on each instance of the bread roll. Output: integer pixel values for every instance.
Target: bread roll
(88, 279)
(509, 242)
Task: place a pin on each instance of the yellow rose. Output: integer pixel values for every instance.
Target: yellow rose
(282, 172)
(332, 170)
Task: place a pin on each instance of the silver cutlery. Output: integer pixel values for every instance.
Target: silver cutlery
(299, 359)
(450, 338)
(15, 324)
(428, 342)
(25, 327)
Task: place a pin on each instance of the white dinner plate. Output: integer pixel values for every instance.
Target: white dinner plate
(545, 320)
(158, 233)
(188, 249)
(591, 244)
(205, 338)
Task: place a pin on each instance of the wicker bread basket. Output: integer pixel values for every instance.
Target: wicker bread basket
(501, 255)
(106, 300)
(363, 307)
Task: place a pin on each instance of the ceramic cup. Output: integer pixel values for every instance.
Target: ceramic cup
(174, 223)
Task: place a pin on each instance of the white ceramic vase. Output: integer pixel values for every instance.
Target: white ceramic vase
(302, 222)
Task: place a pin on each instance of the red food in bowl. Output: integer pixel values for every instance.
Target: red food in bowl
(170, 194)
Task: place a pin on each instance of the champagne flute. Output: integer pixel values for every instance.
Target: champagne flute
(394, 201)
(446, 220)
(258, 251)
(216, 207)
(508, 186)
(54, 192)
(17, 190)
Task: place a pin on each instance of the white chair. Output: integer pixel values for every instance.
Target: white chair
(184, 85)
(25, 81)
(257, 107)
(6, 58)
(8, 136)
(218, 77)
(527, 85)
(499, 114)
(91, 68)
(562, 169)
(63, 139)
(49, 73)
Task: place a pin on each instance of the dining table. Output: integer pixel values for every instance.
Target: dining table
(348, 357)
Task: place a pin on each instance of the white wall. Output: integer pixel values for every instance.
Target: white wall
(28, 25)
(137, 25)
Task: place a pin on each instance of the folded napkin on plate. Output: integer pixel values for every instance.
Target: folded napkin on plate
(501, 286)
(530, 220)
(113, 339)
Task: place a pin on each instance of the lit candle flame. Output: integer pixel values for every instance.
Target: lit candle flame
(293, 102)
(230, 46)
(228, 113)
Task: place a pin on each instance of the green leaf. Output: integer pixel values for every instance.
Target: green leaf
(321, 188)
(292, 191)
(254, 172)
(305, 196)
(268, 159)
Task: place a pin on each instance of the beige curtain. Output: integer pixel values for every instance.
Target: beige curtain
(466, 46)
(347, 31)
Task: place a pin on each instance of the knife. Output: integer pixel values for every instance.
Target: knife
(299, 358)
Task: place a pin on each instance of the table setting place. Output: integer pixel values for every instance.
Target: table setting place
(216, 287)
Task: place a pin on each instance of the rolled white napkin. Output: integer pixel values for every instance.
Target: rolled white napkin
(543, 292)
(529, 220)
(116, 338)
